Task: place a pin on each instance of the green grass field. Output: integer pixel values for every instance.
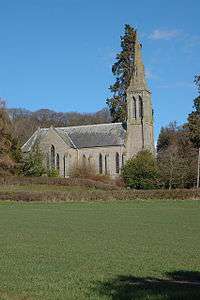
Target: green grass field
(131, 250)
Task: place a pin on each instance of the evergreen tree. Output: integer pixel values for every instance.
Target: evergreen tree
(122, 70)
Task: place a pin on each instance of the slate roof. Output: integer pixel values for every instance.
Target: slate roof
(86, 136)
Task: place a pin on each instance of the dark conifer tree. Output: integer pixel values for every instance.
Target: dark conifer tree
(122, 69)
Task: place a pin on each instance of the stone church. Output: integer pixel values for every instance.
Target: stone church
(105, 147)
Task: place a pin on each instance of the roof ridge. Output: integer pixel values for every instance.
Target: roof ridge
(89, 125)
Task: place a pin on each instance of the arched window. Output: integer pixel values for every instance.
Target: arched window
(57, 162)
(64, 166)
(123, 160)
(84, 160)
(90, 158)
(106, 164)
(140, 107)
(68, 163)
(100, 164)
(134, 108)
(52, 157)
(117, 162)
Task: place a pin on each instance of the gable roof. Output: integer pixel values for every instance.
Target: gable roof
(85, 136)
(35, 138)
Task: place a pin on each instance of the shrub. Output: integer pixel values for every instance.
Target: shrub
(53, 173)
(82, 171)
(32, 163)
(87, 171)
(140, 172)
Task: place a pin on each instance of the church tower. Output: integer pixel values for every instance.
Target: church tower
(140, 134)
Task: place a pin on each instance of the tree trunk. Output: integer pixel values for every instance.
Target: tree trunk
(198, 165)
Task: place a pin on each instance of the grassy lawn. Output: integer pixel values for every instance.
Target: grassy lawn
(131, 250)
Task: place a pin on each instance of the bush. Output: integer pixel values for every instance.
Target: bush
(32, 163)
(53, 173)
(140, 172)
(87, 171)
(82, 171)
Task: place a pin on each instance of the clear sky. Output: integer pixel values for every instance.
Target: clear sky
(58, 54)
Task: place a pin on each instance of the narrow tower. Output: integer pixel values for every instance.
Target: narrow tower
(140, 134)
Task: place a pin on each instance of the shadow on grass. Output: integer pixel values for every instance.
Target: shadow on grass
(179, 285)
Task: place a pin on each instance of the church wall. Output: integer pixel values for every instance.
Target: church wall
(109, 152)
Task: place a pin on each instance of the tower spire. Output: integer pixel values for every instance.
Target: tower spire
(139, 106)
(138, 81)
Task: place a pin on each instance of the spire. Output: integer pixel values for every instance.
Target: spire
(138, 81)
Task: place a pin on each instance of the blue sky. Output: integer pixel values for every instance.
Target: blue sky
(58, 54)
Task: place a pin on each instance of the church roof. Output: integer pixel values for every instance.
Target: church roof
(99, 135)
(36, 137)
(85, 136)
